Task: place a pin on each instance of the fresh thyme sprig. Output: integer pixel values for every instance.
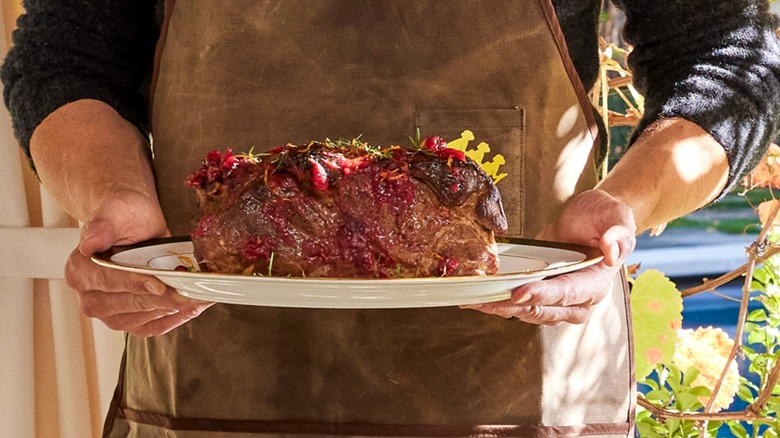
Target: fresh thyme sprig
(251, 156)
(416, 140)
(357, 145)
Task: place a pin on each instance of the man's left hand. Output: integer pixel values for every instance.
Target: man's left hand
(595, 219)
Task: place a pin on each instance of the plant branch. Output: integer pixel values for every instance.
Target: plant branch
(737, 347)
(753, 253)
(663, 413)
(763, 398)
(710, 285)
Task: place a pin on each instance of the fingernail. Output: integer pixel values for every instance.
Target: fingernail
(614, 250)
(179, 298)
(154, 287)
(522, 299)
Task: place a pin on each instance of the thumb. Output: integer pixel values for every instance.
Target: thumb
(96, 236)
(616, 244)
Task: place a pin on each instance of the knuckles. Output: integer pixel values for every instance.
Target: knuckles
(88, 306)
(73, 275)
(580, 316)
(83, 275)
(112, 300)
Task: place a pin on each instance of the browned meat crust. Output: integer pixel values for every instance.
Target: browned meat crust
(345, 209)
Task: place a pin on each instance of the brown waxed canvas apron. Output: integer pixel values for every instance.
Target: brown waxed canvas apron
(262, 73)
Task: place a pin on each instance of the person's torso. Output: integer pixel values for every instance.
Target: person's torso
(263, 73)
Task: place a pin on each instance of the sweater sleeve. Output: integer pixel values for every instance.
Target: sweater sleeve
(715, 63)
(66, 50)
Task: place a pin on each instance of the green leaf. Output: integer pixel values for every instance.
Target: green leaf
(758, 315)
(687, 402)
(771, 304)
(744, 381)
(756, 337)
(713, 427)
(643, 415)
(674, 379)
(766, 428)
(758, 365)
(761, 275)
(652, 384)
(738, 429)
(656, 306)
(701, 391)
(690, 375)
(647, 430)
(673, 424)
(661, 396)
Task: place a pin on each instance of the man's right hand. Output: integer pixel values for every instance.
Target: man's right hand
(97, 165)
(135, 303)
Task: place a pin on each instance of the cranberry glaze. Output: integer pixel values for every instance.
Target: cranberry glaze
(346, 209)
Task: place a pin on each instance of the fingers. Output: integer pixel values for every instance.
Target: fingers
(124, 218)
(616, 244)
(138, 304)
(142, 315)
(585, 287)
(566, 298)
(161, 326)
(542, 315)
(82, 274)
(592, 218)
(97, 235)
(99, 304)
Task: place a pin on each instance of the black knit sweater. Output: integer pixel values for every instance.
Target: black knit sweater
(714, 62)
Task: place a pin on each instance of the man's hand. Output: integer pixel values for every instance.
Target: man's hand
(673, 168)
(594, 219)
(135, 303)
(97, 166)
